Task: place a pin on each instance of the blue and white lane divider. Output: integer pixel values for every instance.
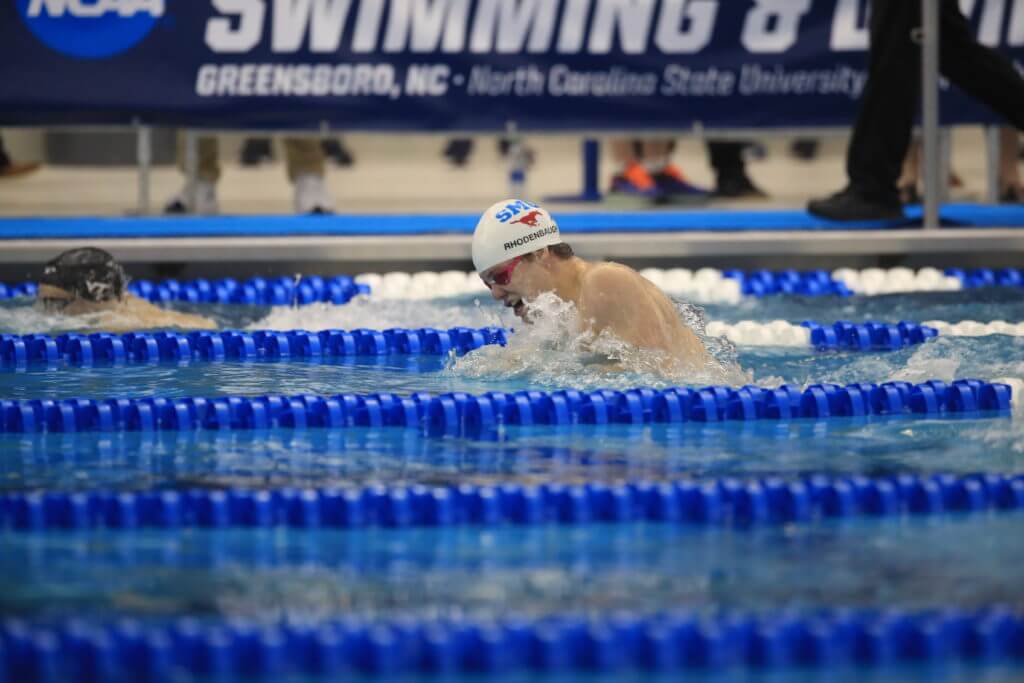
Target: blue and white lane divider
(486, 416)
(279, 291)
(668, 641)
(710, 285)
(729, 502)
(705, 285)
(843, 335)
(140, 347)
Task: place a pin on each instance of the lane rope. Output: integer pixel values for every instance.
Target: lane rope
(487, 416)
(669, 641)
(101, 348)
(729, 502)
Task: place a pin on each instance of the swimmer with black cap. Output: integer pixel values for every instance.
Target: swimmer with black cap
(89, 282)
(519, 254)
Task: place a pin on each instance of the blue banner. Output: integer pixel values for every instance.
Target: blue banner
(613, 65)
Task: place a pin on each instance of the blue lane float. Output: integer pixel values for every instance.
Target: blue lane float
(256, 291)
(761, 283)
(102, 348)
(286, 291)
(668, 641)
(280, 291)
(978, 278)
(870, 336)
(721, 502)
(487, 416)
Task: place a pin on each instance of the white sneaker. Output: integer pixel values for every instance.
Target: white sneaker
(311, 195)
(204, 196)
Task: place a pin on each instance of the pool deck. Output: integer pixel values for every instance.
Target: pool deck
(427, 249)
(404, 175)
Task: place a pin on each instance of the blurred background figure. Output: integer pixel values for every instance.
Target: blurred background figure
(305, 162)
(731, 180)
(1011, 190)
(458, 151)
(256, 151)
(12, 169)
(881, 135)
(646, 172)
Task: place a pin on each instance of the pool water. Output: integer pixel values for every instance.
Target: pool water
(953, 561)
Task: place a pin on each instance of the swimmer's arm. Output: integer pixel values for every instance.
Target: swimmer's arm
(148, 315)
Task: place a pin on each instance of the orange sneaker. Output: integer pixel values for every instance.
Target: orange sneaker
(672, 182)
(15, 169)
(635, 180)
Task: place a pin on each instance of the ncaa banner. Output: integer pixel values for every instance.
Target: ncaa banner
(452, 64)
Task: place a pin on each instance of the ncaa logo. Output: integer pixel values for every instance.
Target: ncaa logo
(90, 29)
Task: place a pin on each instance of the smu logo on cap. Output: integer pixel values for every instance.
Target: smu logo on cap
(90, 29)
(513, 209)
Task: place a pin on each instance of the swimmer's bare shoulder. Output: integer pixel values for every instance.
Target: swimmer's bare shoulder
(148, 315)
(617, 298)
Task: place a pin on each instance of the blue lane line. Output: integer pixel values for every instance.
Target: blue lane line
(395, 225)
(728, 502)
(555, 644)
(488, 415)
(103, 349)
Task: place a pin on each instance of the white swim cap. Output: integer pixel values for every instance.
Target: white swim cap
(509, 229)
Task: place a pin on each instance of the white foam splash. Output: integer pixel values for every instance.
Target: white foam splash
(28, 319)
(364, 312)
(553, 351)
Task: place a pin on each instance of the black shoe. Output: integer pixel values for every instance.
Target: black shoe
(804, 149)
(175, 207)
(851, 205)
(737, 187)
(255, 151)
(909, 194)
(504, 145)
(1012, 195)
(338, 152)
(459, 150)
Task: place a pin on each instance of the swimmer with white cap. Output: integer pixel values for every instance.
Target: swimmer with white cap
(88, 283)
(519, 253)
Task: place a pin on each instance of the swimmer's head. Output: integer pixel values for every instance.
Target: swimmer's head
(509, 229)
(86, 274)
(516, 247)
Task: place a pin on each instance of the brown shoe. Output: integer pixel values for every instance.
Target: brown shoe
(15, 169)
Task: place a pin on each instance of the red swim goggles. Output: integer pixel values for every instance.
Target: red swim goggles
(502, 276)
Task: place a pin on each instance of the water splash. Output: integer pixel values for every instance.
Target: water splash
(552, 351)
(25, 318)
(365, 312)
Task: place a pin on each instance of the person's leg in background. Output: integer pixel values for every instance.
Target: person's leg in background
(669, 178)
(305, 159)
(202, 197)
(731, 179)
(10, 168)
(1011, 190)
(255, 151)
(337, 151)
(633, 178)
(881, 134)
(979, 71)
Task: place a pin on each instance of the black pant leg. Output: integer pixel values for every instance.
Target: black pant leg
(726, 158)
(4, 159)
(980, 71)
(885, 118)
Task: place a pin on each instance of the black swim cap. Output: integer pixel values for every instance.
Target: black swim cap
(88, 273)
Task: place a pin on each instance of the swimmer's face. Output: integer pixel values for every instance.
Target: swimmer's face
(518, 280)
(56, 300)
